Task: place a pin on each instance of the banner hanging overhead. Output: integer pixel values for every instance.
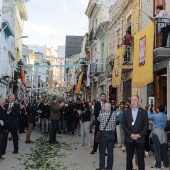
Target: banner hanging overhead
(143, 57)
(117, 70)
(78, 89)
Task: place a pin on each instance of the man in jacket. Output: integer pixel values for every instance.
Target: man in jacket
(40, 111)
(13, 112)
(2, 125)
(55, 107)
(135, 125)
(99, 107)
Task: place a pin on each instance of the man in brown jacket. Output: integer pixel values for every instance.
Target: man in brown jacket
(55, 107)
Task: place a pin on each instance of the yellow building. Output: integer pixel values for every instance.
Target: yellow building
(124, 15)
(142, 67)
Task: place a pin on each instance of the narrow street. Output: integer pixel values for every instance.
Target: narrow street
(68, 156)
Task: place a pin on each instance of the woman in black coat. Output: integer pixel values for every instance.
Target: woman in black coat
(22, 118)
(85, 124)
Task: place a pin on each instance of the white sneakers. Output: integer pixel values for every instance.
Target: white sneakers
(123, 149)
(89, 145)
(118, 145)
(146, 153)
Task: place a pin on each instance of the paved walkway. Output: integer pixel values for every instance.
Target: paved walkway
(76, 158)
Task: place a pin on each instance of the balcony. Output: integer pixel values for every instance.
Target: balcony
(98, 67)
(128, 59)
(161, 53)
(109, 66)
(8, 70)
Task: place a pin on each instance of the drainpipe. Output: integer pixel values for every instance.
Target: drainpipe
(168, 90)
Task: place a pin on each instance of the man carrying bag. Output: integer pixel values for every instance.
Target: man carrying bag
(106, 136)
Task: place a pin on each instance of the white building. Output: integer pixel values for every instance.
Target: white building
(61, 55)
(6, 48)
(13, 15)
(98, 14)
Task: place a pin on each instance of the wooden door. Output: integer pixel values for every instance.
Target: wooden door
(161, 90)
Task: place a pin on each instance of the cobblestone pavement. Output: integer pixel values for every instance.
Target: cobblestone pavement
(76, 158)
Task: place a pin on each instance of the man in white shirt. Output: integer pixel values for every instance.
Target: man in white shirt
(163, 23)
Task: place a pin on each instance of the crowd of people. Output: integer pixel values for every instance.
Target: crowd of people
(138, 131)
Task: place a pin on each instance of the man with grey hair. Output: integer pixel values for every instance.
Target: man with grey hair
(55, 107)
(2, 125)
(13, 112)
(108, 136)
(135, 125)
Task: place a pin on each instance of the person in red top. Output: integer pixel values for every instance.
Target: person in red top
(128, 38)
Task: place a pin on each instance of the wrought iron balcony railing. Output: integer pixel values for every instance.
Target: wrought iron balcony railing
(127, 59)
(161, 24)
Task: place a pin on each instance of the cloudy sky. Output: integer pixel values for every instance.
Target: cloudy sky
(49, 21)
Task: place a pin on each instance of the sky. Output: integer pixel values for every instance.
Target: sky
(49, 21)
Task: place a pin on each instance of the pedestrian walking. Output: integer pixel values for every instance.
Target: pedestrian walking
(85, 124)
(45, 116)
(31, 114)
(99, 107)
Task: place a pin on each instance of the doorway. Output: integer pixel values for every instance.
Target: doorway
(161, 88)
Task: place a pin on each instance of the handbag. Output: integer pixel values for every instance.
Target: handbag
(99, 134)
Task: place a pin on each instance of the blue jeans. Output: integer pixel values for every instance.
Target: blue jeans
(106, 142)
(160, 150)
(61, 122)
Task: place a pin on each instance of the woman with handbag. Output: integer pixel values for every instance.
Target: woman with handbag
(85, 124)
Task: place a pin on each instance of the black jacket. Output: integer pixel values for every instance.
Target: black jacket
(97, 109)
(140, 127)
(13, 116)
(31, 112)
(3, 118)
(86, 115)
(46, 111)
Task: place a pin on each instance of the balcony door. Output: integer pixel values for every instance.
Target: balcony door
(127, 88)
(161, 90)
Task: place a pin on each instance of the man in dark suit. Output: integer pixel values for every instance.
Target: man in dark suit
(40, 106)
(99, 107)
(13, 112)
(135, 124)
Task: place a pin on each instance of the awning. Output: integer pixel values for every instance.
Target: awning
(8, 30)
